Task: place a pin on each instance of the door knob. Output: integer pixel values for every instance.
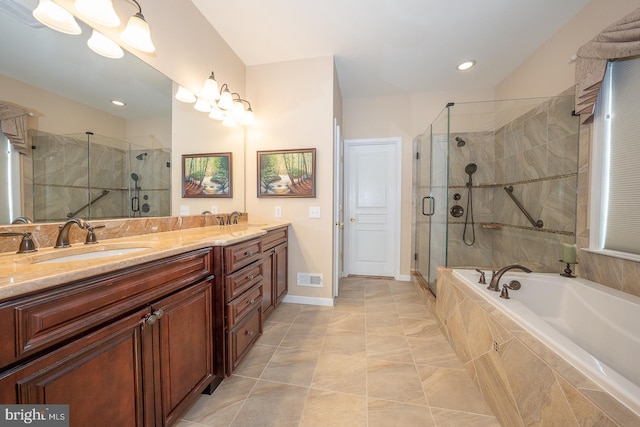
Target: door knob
(353, 219)
(340, 224)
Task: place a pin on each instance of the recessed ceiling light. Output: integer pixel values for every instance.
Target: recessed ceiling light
(466, 65)
(118, 103)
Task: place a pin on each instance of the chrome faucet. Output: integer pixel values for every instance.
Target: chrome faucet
(233, 217)
(494, 285)
(63, 235)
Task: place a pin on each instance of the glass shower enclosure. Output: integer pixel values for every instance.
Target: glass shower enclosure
(495, 183)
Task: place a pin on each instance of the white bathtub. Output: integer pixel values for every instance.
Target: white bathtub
(594, 328)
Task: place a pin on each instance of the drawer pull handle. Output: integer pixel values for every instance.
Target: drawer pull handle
(248, 253)
(249, 333)
(250, 277)
(252, 301)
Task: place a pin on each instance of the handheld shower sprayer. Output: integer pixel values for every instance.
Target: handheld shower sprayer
(141, 156)
(470, 169)
(460, 142)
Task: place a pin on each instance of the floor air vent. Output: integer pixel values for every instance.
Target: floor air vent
(310, 279)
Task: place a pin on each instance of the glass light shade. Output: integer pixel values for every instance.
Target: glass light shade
(238, 111)
(55, 17)
(104, 46)
(137, 34)
(184, 95)
(216, 114)
(99, 11)
(210, 89)
(226, 100)
(202, 105)
(249, 118)
(229, 122)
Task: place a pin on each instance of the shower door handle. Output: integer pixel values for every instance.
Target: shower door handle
(432, 205)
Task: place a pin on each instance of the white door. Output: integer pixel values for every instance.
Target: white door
(372, 199)
(338, 213)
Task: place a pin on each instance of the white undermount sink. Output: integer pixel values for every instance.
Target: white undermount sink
(90, 255)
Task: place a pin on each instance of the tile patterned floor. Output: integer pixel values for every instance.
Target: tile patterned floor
(377, 359)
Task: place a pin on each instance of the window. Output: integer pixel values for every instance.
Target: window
(615, 201)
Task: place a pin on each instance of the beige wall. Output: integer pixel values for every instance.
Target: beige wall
(296, 101)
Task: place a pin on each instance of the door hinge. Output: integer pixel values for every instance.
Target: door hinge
(417, 155)
(415, 257)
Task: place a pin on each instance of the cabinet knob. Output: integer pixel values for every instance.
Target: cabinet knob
(250, 277)
(252, 301)
(158, 313)
(249, 333)
(248, 253)
(150, 319)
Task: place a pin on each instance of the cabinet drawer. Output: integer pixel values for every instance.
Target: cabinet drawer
(241, 306)
(59, 314)
(242, 337)
(237, 256)
(240, 281)
(274, 237)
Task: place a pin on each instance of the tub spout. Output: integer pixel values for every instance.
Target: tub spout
(494, 285)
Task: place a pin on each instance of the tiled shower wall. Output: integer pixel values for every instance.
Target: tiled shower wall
(537, 154)
(64, 167)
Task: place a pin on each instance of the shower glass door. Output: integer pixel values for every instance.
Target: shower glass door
(439, 178)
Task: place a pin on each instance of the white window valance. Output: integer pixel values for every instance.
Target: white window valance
(13, 122)
(619, 40)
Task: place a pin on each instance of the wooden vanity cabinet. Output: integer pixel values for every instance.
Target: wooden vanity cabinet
(275, 265)
(133, 347)
(241, 272)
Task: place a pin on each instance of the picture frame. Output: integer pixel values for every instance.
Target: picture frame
(287, 173)
(207, 175)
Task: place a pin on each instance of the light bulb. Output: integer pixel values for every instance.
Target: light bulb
(137, 34)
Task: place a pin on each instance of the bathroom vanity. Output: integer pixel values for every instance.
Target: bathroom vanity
(136, 345)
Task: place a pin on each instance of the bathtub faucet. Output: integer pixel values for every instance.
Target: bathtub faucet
(494, 285)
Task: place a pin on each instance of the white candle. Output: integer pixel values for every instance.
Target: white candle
(568, 253)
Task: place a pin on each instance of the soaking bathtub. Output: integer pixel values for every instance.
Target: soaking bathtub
(594, 328)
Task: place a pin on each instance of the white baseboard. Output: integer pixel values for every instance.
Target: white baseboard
(403, 278)
(295, 299)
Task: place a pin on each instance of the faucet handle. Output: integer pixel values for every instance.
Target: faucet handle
(91, 235)
(26, 244)
(505, 292)
(482, 280)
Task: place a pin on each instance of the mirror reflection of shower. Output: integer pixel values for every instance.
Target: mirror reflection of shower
(135, 199)
(470, 169)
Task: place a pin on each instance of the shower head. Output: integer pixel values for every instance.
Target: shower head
(470, 169)
(461, 142)
(141, 156)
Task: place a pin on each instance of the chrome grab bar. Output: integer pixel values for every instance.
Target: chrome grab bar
(533, 222)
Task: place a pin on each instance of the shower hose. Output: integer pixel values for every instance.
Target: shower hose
(469, 216)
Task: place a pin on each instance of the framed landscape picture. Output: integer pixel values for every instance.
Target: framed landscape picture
(206, 175)
(287, 173)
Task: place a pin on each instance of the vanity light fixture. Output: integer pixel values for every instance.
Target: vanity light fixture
(248, 118)
(466, 65)
(57, 18)
(216, 113)
(210, 89)
(226, 99)
(98, 11)
(229, 122)
(202, 105)
(104, 46)
(137, 33)
(183, 95)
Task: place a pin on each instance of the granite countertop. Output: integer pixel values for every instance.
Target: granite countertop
(25, 273)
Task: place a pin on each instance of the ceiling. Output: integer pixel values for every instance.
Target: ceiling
(387, 47)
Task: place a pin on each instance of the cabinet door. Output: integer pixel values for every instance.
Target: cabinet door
(100, 376)
(268, 303)
(185, 325)
(280, 274)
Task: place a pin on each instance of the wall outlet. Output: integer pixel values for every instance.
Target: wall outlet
(214, 209)
(314, 212)
(184, 210)
(278, 212)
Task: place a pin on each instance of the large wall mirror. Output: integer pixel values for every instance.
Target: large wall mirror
(87, 157)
